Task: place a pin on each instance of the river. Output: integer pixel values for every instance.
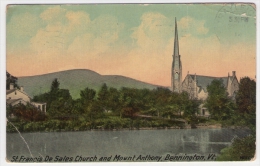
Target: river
(122, 142)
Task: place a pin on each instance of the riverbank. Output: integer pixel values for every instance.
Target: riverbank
(200, 126)
(110, 124)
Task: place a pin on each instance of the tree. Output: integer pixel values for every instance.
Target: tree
(59, 102)
(246, 96)
(95, 111)
(113, 99)
(128, 102)
(55, 85)
(162, 99)
(11, 79)
(87, 97)
(246, 117)
(217, 102)
(53, 95)
(246, 103)
(181, 100)
(27, 112)
(61, 106)
(103, 97)
(242, 149)
(190, 109)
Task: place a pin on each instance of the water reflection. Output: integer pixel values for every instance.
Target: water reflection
(107, 143)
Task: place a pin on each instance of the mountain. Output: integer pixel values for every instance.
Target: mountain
(76, 80)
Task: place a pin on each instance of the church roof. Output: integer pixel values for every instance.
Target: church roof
(204, 81)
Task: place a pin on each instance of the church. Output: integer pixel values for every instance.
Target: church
(196, 85)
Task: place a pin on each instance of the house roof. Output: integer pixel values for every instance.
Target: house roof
(10, 101)
(204, 81)
(12, 90)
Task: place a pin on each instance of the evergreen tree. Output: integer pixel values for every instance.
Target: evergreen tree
(55, 85)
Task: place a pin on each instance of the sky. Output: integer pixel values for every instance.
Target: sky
(133, 40)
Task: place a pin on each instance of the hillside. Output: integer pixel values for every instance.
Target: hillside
(76, 80)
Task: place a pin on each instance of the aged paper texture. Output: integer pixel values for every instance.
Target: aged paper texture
(130, 82)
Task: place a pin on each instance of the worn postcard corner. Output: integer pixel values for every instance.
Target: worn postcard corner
(130, 83)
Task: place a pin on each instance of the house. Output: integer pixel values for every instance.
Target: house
(16, 96)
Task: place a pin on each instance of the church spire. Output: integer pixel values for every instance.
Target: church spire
(176, 76)
(176, 41)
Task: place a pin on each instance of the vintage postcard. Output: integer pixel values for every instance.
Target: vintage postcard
(130, 82)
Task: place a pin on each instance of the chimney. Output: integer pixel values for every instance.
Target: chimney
(21, 88)
(233, 73)
(11, 86)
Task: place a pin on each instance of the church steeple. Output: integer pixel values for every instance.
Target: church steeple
(176, 40)
(176, 76)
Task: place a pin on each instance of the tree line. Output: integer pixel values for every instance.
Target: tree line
(123, 103)
(111, 108)
(110, 103)
(131, 102)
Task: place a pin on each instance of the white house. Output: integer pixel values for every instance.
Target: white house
(18, 96)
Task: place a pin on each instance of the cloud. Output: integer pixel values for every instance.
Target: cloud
(48, 40)
(72, 33)
(53, 14)
(153, 31)
(63, 39)
(151, 56)
(189, 25)
(98, 37)
(22, 25)
(20, 29)
(77, 21)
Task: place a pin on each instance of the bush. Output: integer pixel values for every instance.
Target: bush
(240, 150)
